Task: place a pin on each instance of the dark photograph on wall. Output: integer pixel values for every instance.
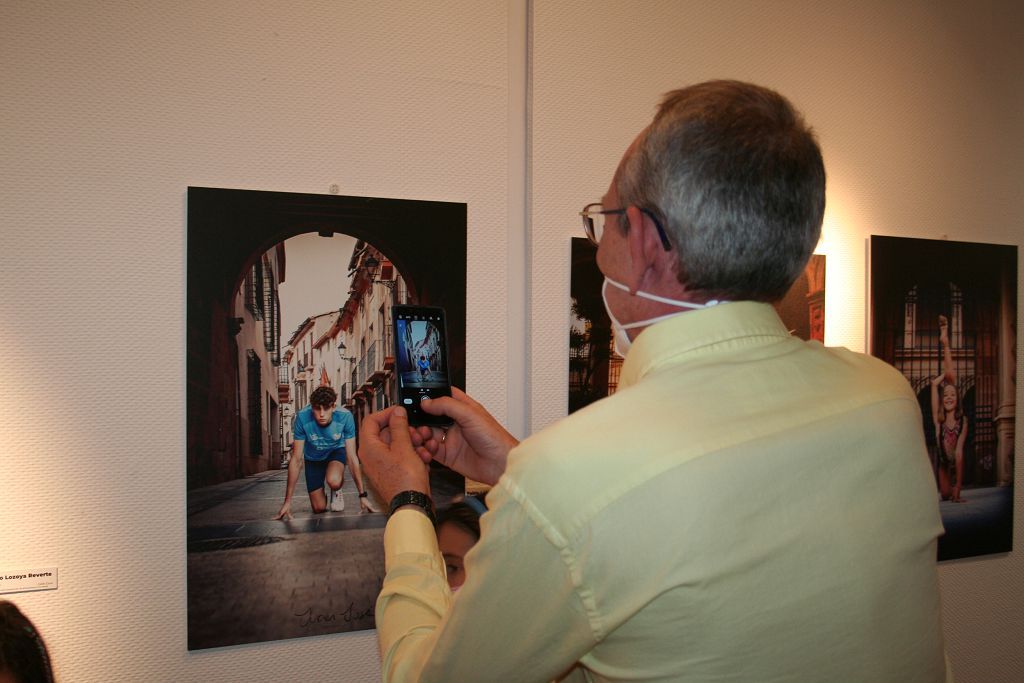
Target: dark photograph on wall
(945, 315)
(594, 367)
(289, 346)
(803, 308)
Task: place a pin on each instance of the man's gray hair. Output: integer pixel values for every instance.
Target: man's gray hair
(737, 179)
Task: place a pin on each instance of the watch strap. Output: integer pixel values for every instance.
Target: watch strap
(416, 498)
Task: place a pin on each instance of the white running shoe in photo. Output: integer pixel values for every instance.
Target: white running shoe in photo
(337, 501)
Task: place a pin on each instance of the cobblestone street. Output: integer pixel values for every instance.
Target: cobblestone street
(252, 578)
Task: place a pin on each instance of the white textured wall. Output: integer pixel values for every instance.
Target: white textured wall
(109, 110)
(918, 105)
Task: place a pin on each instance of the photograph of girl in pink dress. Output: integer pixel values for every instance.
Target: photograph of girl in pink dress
(950, 423)
(944, 314)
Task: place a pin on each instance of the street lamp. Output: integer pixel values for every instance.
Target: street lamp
(371, 263)
(341, 353)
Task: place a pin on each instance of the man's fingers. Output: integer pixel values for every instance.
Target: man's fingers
(375, 423)
(425, 455)
(449, 407)
(378, 420)
(462, 397)
(458, 406)
(398, 423)
(420, 435)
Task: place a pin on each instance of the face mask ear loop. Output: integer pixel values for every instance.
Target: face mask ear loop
(622, 340)
(662, 299)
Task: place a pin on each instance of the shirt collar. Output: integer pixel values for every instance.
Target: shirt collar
(693, 333)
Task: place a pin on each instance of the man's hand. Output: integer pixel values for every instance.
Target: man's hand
(285, 513)
(387, 455)
(364, 505)
(476, 446)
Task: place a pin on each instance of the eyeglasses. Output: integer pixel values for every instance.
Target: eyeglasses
(594, 220)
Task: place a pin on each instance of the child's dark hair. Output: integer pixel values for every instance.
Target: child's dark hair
(464, 513)
(323, 396)
(23, 653)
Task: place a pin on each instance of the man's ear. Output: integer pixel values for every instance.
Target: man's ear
(644, 249)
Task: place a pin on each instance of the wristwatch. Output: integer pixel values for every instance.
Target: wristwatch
(417, 498)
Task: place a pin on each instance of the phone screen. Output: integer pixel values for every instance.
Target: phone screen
(421, 360)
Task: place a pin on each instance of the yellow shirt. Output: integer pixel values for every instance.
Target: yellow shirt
(747, 507)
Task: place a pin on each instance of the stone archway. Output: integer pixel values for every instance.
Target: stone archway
(229, 229)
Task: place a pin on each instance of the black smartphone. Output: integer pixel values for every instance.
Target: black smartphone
(421, 360)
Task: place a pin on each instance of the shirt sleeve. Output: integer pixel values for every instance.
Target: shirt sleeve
(298, 430)
(349, 430)
(519, 616)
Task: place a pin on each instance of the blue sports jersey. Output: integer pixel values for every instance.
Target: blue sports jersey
(322, 441)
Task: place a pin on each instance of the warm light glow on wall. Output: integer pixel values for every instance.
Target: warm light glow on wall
(844, 246)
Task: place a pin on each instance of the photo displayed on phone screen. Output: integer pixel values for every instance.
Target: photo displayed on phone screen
(421, 356)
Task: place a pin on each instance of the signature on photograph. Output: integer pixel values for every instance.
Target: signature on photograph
(349, 615)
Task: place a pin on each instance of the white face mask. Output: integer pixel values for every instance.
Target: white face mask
(622, 340)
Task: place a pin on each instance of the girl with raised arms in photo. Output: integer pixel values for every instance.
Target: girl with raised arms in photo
(950, 422)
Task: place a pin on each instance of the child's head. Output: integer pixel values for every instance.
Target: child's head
(23, 655)
(458, 530)
(949, 400)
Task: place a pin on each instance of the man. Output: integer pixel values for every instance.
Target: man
(324, 441)
(746, 507)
